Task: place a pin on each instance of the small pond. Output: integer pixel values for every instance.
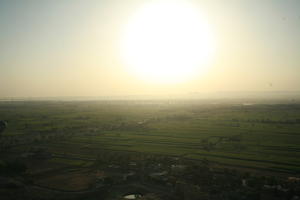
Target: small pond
(132, 196)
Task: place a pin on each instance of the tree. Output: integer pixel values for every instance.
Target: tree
(3, 125)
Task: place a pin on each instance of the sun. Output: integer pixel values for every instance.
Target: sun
(167, 42)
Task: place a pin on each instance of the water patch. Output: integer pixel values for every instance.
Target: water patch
(132, 196)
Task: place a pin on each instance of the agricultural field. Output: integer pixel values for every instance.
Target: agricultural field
(255, 136)
(65, 145)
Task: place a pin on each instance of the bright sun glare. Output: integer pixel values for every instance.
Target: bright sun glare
(167, 42)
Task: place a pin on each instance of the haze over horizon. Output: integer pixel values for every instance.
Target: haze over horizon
(74, 48)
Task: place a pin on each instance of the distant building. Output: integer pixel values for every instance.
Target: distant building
(293, 179)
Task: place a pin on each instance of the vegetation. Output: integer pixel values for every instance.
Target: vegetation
(206, 150)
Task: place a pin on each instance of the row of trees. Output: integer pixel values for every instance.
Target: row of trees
(269, 121)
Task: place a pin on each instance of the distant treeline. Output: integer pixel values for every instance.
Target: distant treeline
(269, 121)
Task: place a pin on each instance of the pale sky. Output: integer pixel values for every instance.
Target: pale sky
(52, 48)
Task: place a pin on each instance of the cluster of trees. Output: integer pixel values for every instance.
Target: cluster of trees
(3, 125)
(12, 168)
(199, 179)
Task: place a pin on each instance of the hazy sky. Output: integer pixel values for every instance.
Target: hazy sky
(72, 48)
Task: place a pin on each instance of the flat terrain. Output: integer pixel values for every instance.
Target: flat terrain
(254, 136)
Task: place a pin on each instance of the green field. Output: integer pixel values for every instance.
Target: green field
(261, 137)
